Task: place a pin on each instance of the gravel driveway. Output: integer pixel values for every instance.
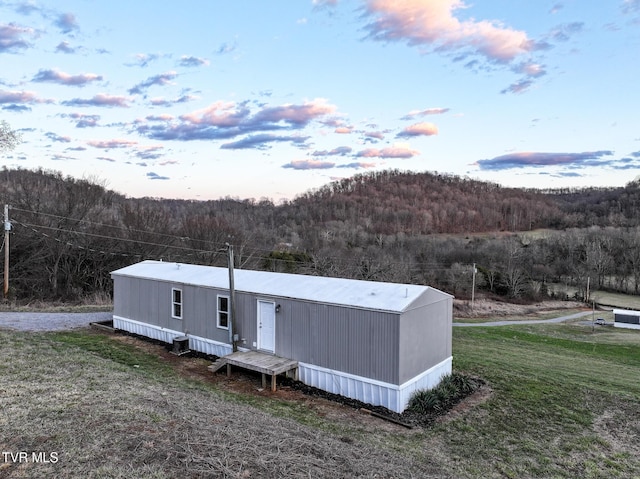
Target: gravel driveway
(50, 321)
(560, 319)
(61, 321)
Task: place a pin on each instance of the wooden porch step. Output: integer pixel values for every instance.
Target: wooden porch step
(217, 365)
(267, 364)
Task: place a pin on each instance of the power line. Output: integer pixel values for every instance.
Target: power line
(111, 226)
(257, 253)
(115, 238)
(250, 250)
(334, 261)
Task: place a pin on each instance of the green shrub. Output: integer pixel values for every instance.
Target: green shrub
(451, 389)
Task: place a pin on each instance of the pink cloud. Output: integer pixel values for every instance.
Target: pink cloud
(432, 22)
(20, 97)
(540, 159)
(224, 120)
(220, 113)
(429, 111)
(116, 143)
(374, 134)
(393, 152)
(55, 76)
(420, 129)
(162, 117)
(343, 130)
(296, 114)
(518, 87)
(110, 100)
(101, 99)
(309, 165)
(150, 147)
(358, 164)
(161, 101)
(531, 69)
(11, 37)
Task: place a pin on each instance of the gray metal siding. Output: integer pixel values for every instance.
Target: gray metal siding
(425, 338)
(164, 304)
(246, 318)
(193, 305)
(120, 297)
(152, 307)
(139, 299)
(354, 341)
(626, 318)
(199, 316)
(151, 302)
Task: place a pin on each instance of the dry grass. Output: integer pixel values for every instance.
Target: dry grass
(109, 418)
(55, 307)
(561, 402)
(486, 309)
(616, 300)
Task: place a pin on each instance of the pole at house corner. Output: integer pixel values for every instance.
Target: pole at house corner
(7, 228)
(232, 301)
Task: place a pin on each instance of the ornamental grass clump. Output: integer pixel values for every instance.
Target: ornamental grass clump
(451, 389)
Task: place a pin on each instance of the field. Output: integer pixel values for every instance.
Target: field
(561, 401)
(601, 298)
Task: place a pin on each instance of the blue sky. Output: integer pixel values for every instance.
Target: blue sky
(253, 99)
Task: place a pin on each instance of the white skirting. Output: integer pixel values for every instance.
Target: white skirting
(196, 343)
(378, 393)
(618, 324)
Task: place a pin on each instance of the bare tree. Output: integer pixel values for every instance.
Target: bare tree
(598, 259)
(9, 138)
(514, 275)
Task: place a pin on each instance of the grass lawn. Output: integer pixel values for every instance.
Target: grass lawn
(563, 404)
(616, 300)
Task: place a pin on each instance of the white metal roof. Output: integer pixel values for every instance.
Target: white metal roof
(394, 297)
(628, 312)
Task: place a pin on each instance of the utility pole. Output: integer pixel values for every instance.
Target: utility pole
(588, 293)
(232, 301)
(7, 228)
(473, 285)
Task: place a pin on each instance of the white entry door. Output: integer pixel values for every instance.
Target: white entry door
(267, 326)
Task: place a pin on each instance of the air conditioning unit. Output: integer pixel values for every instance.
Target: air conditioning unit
(180, 345)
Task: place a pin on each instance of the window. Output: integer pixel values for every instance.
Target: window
(223, 312)
(176, 297)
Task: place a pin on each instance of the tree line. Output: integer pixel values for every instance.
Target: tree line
(68, 234)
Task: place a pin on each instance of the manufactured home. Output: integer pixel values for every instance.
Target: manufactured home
(372, 341)
(626, 318)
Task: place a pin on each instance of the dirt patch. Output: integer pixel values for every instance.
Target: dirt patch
(333, 407)
(478, 397)
(619, 429)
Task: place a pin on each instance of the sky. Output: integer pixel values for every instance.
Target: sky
(270, 99)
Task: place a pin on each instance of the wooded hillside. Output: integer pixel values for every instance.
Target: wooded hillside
(68, 234)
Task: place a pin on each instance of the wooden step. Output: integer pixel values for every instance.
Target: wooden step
(217, 364)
